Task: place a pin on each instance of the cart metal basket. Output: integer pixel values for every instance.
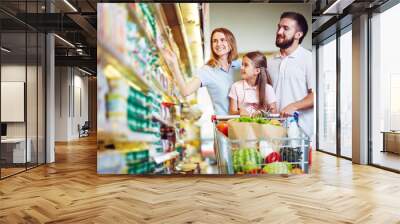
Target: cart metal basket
(291, 155)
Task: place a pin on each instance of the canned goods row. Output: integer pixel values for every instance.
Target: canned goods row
(115, 103)
(137, 96)
(137, 157)
(138, 112)
(149, 126)
(141, 168)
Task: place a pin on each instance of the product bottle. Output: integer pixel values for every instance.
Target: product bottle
(293, 132)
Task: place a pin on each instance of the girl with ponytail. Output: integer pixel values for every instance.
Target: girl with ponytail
(254, 92)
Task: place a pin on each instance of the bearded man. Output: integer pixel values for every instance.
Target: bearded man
(291, 71)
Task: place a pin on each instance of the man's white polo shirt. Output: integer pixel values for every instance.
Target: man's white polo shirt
(292, 76)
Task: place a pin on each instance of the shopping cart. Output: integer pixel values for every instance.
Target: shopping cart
(290, 155)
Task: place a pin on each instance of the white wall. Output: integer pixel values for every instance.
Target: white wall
(254, 24)
(71, 94)
(34, 124)
(61, 103)
(12, 73)
(81, 100)
(16, 73)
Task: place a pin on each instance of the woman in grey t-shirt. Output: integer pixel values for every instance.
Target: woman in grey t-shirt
(217, 75)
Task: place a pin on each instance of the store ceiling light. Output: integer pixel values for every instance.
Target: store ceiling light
(70, 5)
(84, 71)
(191, 17)
(5, 50)
(65, 41)
(337, 7)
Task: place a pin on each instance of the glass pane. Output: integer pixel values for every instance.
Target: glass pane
(386, 89)
(327, 97)
(32, 96)
(13, 86)
(41, 99)
(346, 94)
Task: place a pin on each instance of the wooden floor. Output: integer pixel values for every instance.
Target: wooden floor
(5, 172)
(10, 171)
(70, 191)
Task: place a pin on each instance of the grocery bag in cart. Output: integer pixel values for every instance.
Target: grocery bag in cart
(242, 131)
(272, 129)
(245, 129)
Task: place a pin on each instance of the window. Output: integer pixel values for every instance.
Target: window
(22, 66)
(385, 87)
(346, 94)
(327, 96)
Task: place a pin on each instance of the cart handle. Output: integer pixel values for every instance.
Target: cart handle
(227, 117)
(223, 117)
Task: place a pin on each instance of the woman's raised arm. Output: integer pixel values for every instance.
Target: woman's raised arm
(185, 88)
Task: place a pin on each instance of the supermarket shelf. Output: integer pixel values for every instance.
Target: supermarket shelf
(120, 132)
(149, 37)
(166, 123)
(143, 31)
(157, 86)
(159, 170)
(159, 158)
(120, 62)
(160, 19)
(124, 137)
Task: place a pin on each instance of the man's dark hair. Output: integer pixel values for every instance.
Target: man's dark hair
(301, 22)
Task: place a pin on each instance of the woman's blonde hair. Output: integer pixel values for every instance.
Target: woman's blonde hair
(232, 55)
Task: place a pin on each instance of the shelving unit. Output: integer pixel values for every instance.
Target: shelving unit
(118, 67)
(128, 72)
(145, 33)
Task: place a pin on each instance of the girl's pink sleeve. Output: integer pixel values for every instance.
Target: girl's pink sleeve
(232, 92)
(270, 94)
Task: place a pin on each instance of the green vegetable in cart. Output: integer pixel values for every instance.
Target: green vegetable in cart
(243, 119)
(246, 160)
(278, 168)
(258, 120)
(261, 120)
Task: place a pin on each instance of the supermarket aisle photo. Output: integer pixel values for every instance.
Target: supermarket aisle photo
(153, 115)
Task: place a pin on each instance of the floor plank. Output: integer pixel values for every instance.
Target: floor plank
(70, 191)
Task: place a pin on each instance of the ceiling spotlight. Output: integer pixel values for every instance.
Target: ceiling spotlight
(65, 41)
(5, 50)
(70, 5)
(337, 7)
(84, 71)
